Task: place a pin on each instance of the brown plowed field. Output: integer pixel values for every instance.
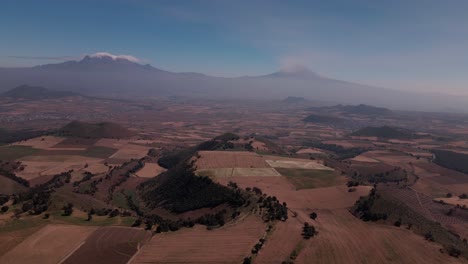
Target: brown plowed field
(51, 244)
(230, 159)
(109, 245)
(228, 244)
(343, 238)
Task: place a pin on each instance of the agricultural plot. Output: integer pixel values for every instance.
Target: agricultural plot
(8, 186)
(290, 163)
(44, 142)
(13, 152)
(363, 158)
(130, 151)
(150, 170)
(229, 159)
(75, 143)
(51, 244)
(238, 172)
(228, 244)
(309, 179)
(453, 201)
(309, 151)
(109, 245)
(345, 239)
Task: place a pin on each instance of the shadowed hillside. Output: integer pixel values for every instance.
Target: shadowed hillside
(98, 130)
(35, 93)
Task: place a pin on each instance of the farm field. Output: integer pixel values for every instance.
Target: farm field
(15, 152)
(199, 245)
(343, 239)
(309, 179)
(229, 159)
(109, 245)
(238, 172)
(51, 244)
(8, 186)
(150, 170)
(291, 163)
(453, 201)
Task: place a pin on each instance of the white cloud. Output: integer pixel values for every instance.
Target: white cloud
(115, 57)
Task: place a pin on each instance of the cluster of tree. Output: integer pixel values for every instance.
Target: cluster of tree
(451, 160)
(36, 199)
(166, 225)
(152, 153)
(352, 183)
(86, 177)
(308, 231)
(340, 152)
(67, 209)
(4, 199)
(313, 215)
(274, 209)
(363, 208)
(258, 246)
(396, 174)
(90, 188)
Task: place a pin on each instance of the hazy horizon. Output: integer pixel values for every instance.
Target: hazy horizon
(405, 45)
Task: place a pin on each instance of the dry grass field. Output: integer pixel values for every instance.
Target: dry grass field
(8, 186)
(291, 163)
(453, 201)
(109, 245)
(130, 151)
(343, 238)
(228, 244)
(44, 142)
(51, 244)
(150, 170)
(229, 159)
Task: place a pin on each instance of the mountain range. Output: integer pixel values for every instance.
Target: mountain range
(119, 77)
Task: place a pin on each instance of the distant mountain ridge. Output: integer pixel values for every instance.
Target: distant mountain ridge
(35, 93)
(109, 76)
(385, 132)
(361, 109)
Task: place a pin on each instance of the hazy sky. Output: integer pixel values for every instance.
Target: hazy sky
(408, 45)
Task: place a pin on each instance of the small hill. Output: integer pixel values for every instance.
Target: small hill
(294, 100)
(385, 132)
(363, 109)
(322, 119)
(35, 93)
(98, 130)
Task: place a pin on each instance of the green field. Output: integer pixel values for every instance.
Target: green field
(16, 152)
(310, 179)
(98, 152)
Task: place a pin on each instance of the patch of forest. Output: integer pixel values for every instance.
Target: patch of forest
(451, 160)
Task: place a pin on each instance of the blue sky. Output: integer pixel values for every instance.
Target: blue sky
(407, 45)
